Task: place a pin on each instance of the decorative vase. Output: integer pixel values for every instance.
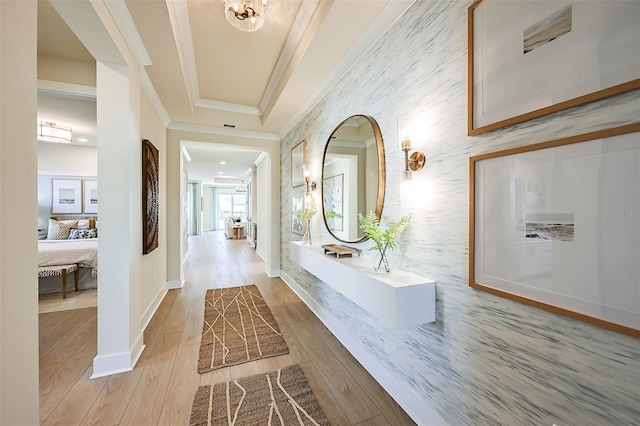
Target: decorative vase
(306, 238)
(381, 263)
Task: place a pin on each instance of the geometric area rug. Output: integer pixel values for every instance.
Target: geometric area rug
(238, 327)
(281, 397)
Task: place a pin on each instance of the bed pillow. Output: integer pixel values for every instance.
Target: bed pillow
(59, 230)
(81, 234)
(83, 224)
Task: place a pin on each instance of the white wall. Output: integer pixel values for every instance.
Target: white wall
(69, 160)
(486, 359)
(153, 265)
(60, 161)
(18, 210)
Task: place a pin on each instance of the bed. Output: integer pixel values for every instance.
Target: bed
(70, 240)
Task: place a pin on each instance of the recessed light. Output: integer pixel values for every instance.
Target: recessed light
(219, 173)
(223, 162)
(83, 140)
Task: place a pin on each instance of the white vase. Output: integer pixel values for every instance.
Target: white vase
(306, 238)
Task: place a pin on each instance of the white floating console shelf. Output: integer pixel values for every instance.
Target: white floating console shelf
(400, 299)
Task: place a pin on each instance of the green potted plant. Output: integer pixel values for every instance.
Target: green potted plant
(306, 214)
(384, 239)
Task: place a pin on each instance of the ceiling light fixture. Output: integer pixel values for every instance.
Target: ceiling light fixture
(245, 15)
(50, 131)
(241, 188)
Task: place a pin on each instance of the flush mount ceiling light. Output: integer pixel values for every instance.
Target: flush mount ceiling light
(245, 15)
(50, 131)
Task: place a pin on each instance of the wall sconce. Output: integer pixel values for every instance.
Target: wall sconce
(311, 186)
(52, 132)
(412, 163)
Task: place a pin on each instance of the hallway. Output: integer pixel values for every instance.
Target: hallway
(160, 390)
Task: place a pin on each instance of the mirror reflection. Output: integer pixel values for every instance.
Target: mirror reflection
(353, 176)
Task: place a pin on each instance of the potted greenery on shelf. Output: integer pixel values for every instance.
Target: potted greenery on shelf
(384, 239)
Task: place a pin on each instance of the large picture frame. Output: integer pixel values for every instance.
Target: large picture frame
(546, 57)
(66, 196)
(298, 225)
(90, 197)
(150, 194)
(333, 200)
(298, 160)
(556, 225)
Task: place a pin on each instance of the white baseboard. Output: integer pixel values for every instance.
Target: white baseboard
(174, 284)
(151, 310)
(417, 408)
(262, 255)
(107, 365)
(273, 273)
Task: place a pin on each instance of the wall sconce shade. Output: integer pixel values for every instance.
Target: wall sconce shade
(54, 133)
(412, 163)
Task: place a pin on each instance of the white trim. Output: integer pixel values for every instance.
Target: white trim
(179, 18)
(107, 365)
(222, 131)
(151, 310)
(261, 254)
(298, 29)
(175, 284)
(226, 106)
(273, 273)
(121, 16)
(261, 157)
(417, 408)
(78, 90)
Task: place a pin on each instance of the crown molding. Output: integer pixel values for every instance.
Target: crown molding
(198, 128)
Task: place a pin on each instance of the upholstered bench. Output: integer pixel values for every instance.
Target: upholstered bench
(63, 270)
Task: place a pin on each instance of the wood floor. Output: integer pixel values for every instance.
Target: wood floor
(160, 389)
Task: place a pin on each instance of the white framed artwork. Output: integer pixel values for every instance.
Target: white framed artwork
(90, 197)
(530, 58)
(556, 225)
(66, 196)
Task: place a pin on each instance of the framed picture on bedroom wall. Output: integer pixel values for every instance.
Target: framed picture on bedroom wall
(150, 194)
(531, 58)
(66, 196)
(90, 199)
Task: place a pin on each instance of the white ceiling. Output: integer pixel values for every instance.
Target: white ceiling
(204, 72)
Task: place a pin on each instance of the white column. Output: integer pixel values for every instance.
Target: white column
(120, 248)
(18, 215)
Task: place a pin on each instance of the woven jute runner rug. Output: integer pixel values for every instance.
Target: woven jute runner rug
(238, 327)
(281, 397)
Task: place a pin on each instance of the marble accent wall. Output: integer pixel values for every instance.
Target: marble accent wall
(486, 359)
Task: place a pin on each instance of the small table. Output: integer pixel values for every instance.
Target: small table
(238, 232)
(55, 270)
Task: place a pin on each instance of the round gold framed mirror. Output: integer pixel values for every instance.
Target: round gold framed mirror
(353, 176)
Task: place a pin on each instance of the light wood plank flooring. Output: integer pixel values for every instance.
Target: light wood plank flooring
(160, 389)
